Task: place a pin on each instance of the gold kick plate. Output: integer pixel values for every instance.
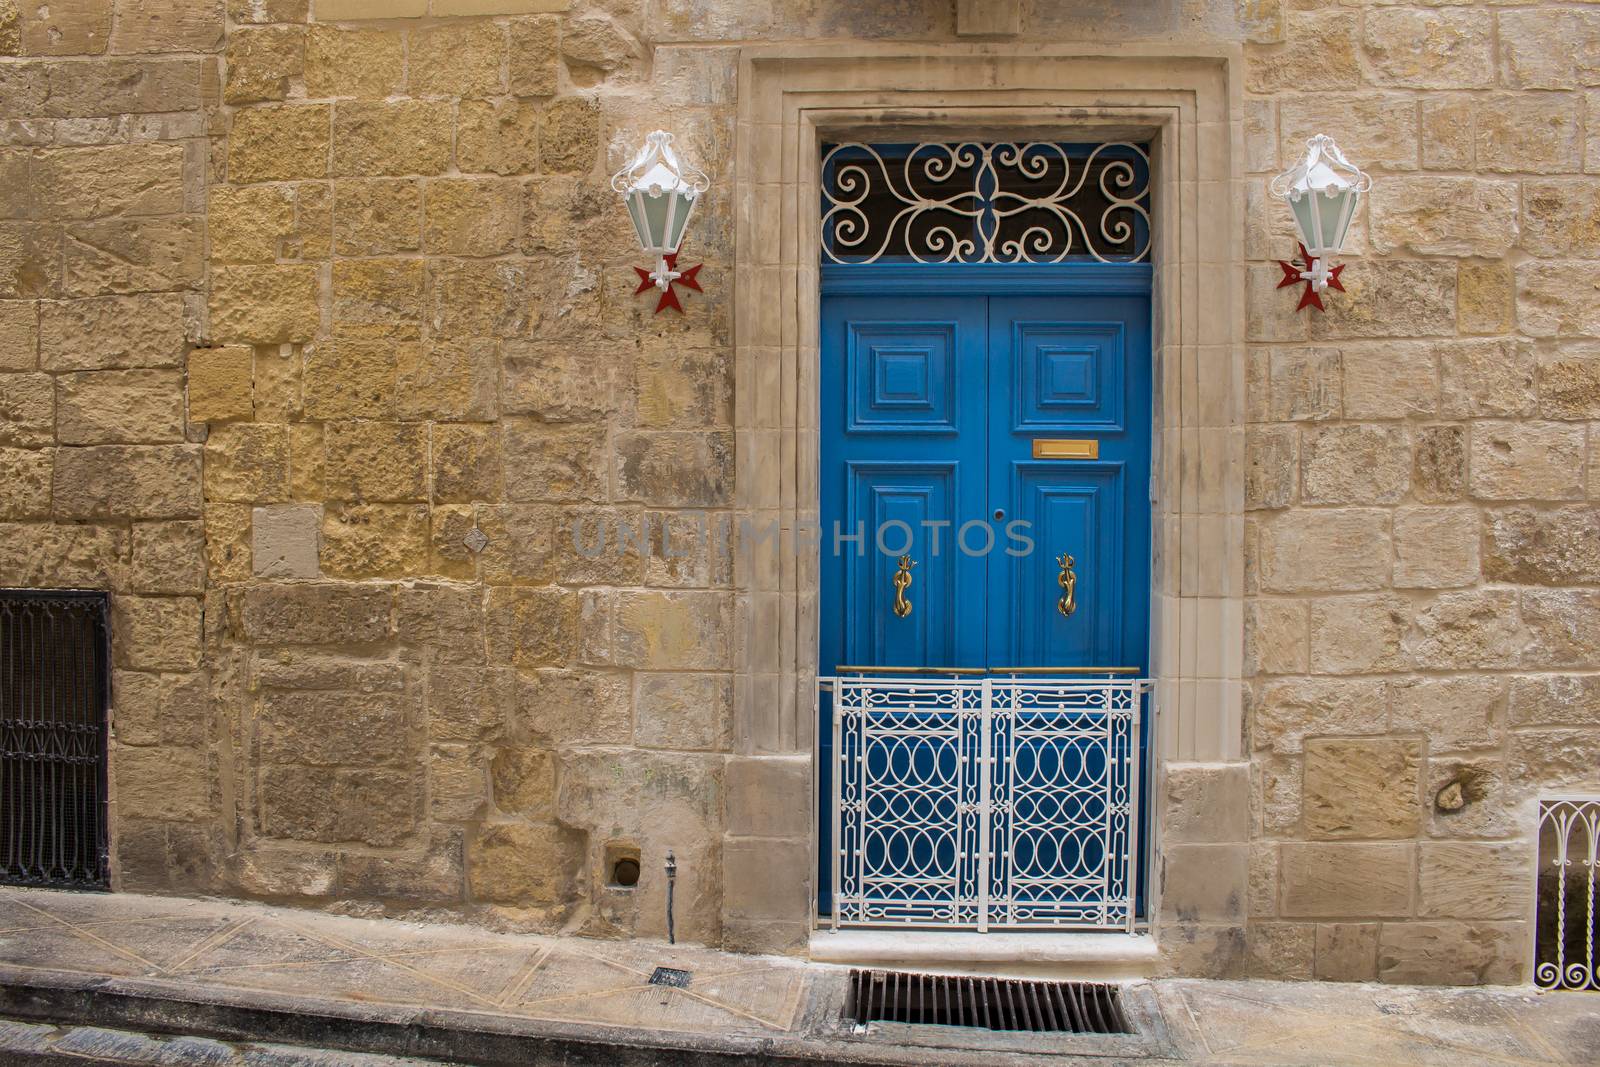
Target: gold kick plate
(1066, 448)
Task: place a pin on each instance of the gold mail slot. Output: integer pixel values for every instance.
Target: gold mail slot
(1065, 448)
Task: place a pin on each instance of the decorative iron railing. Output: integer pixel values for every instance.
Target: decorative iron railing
(1566, 886)
(985, 803)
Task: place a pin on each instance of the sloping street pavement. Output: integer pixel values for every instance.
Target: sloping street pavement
(122, 978)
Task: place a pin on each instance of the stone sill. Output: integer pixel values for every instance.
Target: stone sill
(1107, 956)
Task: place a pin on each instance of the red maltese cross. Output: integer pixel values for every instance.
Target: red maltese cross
(669, 297)
(1294, 274)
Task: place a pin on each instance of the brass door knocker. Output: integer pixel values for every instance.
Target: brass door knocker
(902, 582)
(1068, 580)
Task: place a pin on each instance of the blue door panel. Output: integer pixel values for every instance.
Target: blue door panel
(1069, 376)
(892, 506)
(903, 377)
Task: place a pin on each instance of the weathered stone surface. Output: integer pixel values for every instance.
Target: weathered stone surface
(377, 461)
(1569, 383)
(381, 293)
(119, 407)
(1553, 758)
(167, 26)
(76, 27)
(132, 255)
(554, 462)
(533, 627)
(247, 463)
(1355, 464)
(1521, 132)
(162, 783)
(1204, 883)
(1392, 381)
(279, 143)
(523, 863)
(351, 378)
(1561, 217)
(524, 781)
(678, 469)
(1528, 57)
(1325, 550)
(1473, 881)
(227, 542)
(436, 874)
(366, 806)
(391, 138)
(1272, 458)
(534, 55)
(472, 216)
(19, 335)
(265, 304)
(1392, 298)
(1439, 470)
(557, 383)
(109, 180)
(444, 620)
(1452, 953)
(221, 383)
(375, 540)
(1480, 378)
(1275, 636)
(353, 62)
(1378, 128)
(325, 614)
(562, 708)
(1466, 630)
(466, 463)
(674, 630)
(1346, 952)
(570, 138)
(457, 59)
(328, 728)
(1436, 548)
(468, 704)
(1555, 700)
(299, 668)
(1544, 546)
(27, 409)
(377, 216)
(284, 541)
(25, 482)
(1430, 49)
(1363, 788)
(169, 557)
(1451, 713)
(1290, 710)
(1548, 305)
(263, 62)
(1318, 53)
(156, 633)
(1444, 216)
(1336, 879)
(1485, 297)
(127, 481)
(1563, 628)
(480, 298)
(249, 224)
(499, 137)
(1527, 460)
(105, 332)
(1358, 634)
(161, 709)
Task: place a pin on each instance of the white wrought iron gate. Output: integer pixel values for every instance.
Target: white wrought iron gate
(985, 803)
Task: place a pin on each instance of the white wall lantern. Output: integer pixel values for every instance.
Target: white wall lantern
(1322, 191)
(661, 194)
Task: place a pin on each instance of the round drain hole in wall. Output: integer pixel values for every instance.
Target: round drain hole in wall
(625, 872)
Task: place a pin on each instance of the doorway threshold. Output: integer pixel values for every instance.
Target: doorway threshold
(1104, 956)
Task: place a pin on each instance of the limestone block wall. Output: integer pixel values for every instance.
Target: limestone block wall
(296, 294)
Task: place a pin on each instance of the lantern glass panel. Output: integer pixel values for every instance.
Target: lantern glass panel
(680, 218)
(641, 226)
(1335, 212)
(655, 213)
(1305, 219)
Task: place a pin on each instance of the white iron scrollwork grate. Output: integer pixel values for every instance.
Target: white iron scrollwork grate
(974, 202)
(985, 803)
(1567, 885)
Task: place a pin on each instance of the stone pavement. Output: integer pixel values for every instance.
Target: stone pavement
(122, 978)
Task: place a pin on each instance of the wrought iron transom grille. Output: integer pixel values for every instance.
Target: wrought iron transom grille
(977, 202)
(987, 1003)
(986, 803)
(55, 682)
(1567, 893)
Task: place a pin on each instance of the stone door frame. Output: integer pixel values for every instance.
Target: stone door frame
(1187, 103)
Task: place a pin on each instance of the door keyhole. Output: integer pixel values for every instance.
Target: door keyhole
(998, 514)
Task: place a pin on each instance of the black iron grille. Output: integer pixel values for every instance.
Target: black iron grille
(55, 689)
(987, 1003)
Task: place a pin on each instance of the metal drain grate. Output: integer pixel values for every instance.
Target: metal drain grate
(987, 1003)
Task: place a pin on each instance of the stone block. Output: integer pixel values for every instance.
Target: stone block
(675, 469)
(1281, 951)
(278, 142)
(524, 863)
(1439, 463)
(1394, 381)
(329, 728)
(25, 482)
(372, 807)
(1527, 460)
(435, 875)
(265, 304)
(1334, 879)
(1358, 634)
(1547, 303)
(534, 49)
(284, 541)
(375, 540)
(1318, 53)
(247, 463)
(479, 298)
(1466, 630)
(156, 633)
(109, 180)
(300, 669)
(227, 542)
(1355, 464)
(1436, 548)
(1290, 710)
(555, 462)
(75, 27)
(377, 461)
(1452, 714)
(1569, 383)
(168, 783)
(1211, 949)
(1362, 787)
(1473, 880)
(374, 139)
(1485, 378)
(458, 59)
(1204, 883)
(377, 216)
(351, 378)
(524, 781)
(44, 554)
(1545, 546)
(472, 216)
(28, 410)
(560, 708)
(250, 223)
(1437, 216)
(1561, 217)
(1523, 132)
(533, 627)
(1391, 298)
(674, 630)
(1206, 803)
(114, 331)
(1452, 953)
(30, 260)
(570, 139)
(557, 383)
(1555, 700)
(169, 558)
(1380, 129)
(466, 463)
(766, 878)
(498, 137)
(127, 482)
(683, 711)
(257, 12)
(1325, 551)
(323, 614)
(1527, 58)
(331, 10)
(353, 62)
(469, 704)
(1553, 758)
(383, 293)
(19, 335)
(161, 709)
(497, 7)
(1419, 48)
(221, 383)
(167, 26)
(1485, 297)
(1346, 952)
(1563, 628)
(75, 88)
(119, 407)
(769, 797)
(674, 388)
(262, 63)
(1275, 636)
(130, 255)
